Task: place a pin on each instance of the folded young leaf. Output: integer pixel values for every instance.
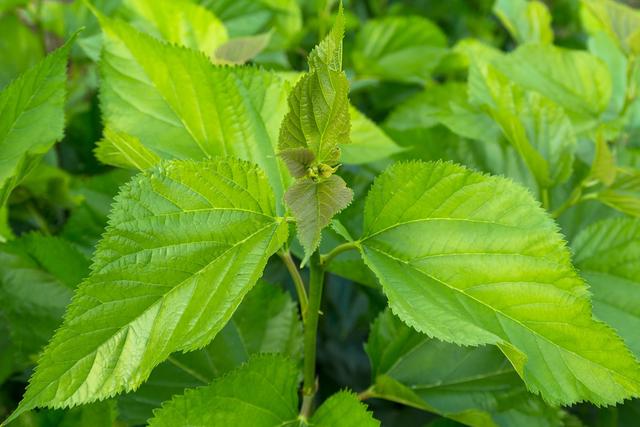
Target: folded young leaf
(608, 257)
(228, 111)
(124, 151)
(527, 21)
(261, 393)
(180, 22)
(473, 259)
(267, 321)
(399, 48)
(31, 117)
(318, 121)
(473, 385)
(318, 117)
(185, 242)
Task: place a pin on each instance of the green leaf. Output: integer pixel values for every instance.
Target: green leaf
(473, 260)
(527, 21)
(180, 22)
(369, 143)
(624, 193)
(5, 229)
(87, 221)
(31, 117)
(124, 151)
(317, 122)
(575, 80)
(607, 254)
(56, 256)
(603, 167)
(250, 17)
(37, 277)
(473, 385)
(318, 117)
(261, 393)
(20, 48)
(619, 21)
(232, 111)
(313, 204)
(399, 48)
(266, 322)
(537, 127)
(242, 49)
(185, 242)
(605, 48)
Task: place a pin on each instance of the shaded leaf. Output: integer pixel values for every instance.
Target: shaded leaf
(473, 385)
(266, 322)
(37, 277)
(263, 392)
(608, 256)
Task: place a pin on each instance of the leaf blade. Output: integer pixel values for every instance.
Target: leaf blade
(204, 232)
(510, 285)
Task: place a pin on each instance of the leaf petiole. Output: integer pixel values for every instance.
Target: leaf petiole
(326, 259)
(297, 281)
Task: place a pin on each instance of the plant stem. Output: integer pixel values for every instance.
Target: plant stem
(544, 198)
(328, 257)
(366, 394)
(297, 281)
(573, 199)
(39, 219)
(316, 282)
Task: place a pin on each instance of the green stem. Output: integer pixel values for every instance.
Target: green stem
(326, 259)
(297, 281)
(573, 199)
(544, 198)
(39, 219)
(367, 394)
(316, 282)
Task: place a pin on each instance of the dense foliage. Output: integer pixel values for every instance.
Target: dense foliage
(303, 212)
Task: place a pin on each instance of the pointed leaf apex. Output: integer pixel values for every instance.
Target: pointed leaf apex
(328, 52)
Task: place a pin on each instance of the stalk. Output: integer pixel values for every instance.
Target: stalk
(297, 281)
(316, 283)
